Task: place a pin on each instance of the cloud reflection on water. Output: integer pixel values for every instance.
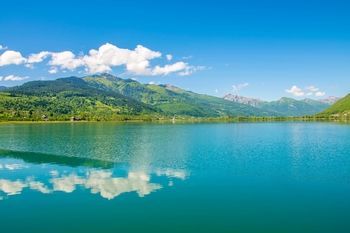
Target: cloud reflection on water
(103, 183)
(98, 181)
(12, 166)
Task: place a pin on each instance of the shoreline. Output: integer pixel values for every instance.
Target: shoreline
(188, 120)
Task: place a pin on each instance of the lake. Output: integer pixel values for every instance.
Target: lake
(134, 177)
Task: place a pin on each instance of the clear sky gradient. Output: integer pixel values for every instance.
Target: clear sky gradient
(255, 48)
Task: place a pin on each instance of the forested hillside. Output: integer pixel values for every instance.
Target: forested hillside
(105, 97)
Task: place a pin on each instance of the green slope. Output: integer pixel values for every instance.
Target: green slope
(63, 98)
(292, 107)
(173, 100)
(105, 97)
(340, 109)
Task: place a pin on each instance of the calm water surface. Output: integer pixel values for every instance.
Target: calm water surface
(109, 177)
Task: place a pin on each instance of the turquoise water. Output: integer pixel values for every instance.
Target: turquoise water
(109, 177)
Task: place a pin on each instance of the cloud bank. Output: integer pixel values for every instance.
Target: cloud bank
(308, 91)
(135, 61)
(12, 78)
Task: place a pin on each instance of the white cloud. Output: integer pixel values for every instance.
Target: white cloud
(13, 78)
(296, 91)
(169, 57)
(108, 55)
(308, 91)
(65, 60)
(188, 70)
(30, 66)
(10, 57)
(312, 89)
(320, 93)
(38, 57)
(236, 88)
(2, 47)
(167, 69)
(136, 61)
(53, 70)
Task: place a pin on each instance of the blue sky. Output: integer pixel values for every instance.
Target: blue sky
(254, 48)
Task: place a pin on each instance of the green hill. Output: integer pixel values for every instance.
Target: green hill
(105, 97)
(340, 109)
(173, 100)
(292, 107)
(284, 106)
(64, 98)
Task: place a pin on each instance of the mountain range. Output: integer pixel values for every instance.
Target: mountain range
(285, 106)
(106, 97)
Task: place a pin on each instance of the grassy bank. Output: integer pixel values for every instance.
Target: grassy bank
(181, 119)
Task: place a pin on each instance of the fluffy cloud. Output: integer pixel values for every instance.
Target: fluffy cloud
(312, 89)
(2, 47)
(167, 69)
(169, 57)
(10, 57)
(12, 78)
(38, 57)
(188, 70)
(136, 61)
(236, 88)
(53, 70)
(320, 93)
(308, 91)
(296, 91)
(108, 55)
(105, 58)
(65, 60)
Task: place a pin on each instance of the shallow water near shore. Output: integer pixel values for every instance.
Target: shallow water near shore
(237, 177)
